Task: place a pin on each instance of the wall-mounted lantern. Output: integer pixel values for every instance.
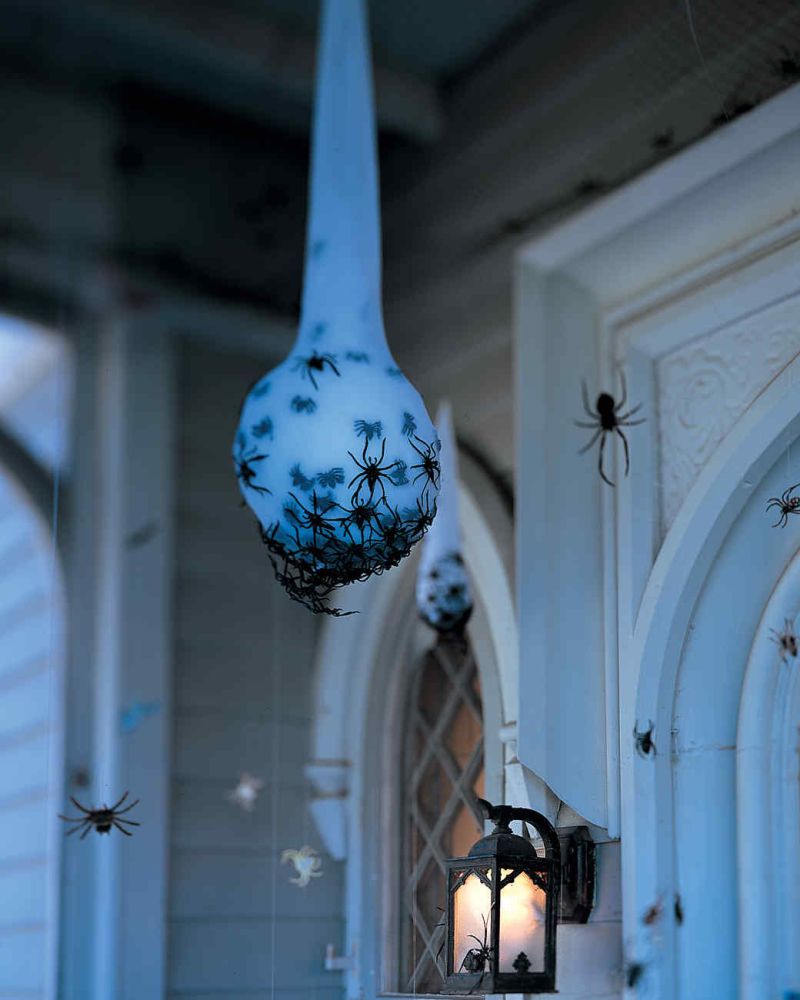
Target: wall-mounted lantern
(502, 909)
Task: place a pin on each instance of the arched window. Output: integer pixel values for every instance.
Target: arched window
(443, 775)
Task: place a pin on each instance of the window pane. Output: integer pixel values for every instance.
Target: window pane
(443, 774)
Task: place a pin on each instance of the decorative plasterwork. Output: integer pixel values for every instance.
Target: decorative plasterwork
(705, 386)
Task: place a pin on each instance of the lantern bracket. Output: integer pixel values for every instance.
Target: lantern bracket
(577, 874)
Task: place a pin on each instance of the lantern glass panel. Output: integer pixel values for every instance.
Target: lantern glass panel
(523, 905)
(472, 907)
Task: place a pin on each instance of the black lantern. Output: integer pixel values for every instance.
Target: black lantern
(502, 908)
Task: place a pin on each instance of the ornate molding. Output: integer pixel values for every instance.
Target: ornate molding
(704, 387)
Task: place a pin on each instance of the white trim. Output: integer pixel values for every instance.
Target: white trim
(767, 804)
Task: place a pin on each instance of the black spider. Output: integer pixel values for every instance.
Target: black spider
(372, 472)
(101, 819)
(645, 745)
(314, 518)
(787, 504)
(362, 515)
(418, 520)
(429, 466)
(315, 363)
(633, 973)
(478, 959)
(607, 419)
(300, 405)
(331, 478)
(369, 430)
(245, 472)
(786, 640)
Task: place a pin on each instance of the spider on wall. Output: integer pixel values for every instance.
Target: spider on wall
(645, 745)
(786, 640)
(608, 417)
(787, 503)
(101, 819)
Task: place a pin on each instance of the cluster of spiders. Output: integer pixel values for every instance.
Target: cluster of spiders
(323, 544)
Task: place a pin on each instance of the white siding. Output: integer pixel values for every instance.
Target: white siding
(242, 675)
(30, 619)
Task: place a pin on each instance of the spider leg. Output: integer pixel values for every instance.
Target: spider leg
(311, 376)
(624, 397)
(76, 828)
(130, 822)
(773, 502)
(121, 829)
(86, 832)
(585, 397)
(585, 423)
(630, 413)
(383, 452)
(83, 809)
(627, 455)
(586, 447)
(603, 476)
(631, 423)
(120, 812)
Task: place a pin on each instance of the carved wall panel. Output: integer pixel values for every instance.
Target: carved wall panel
(704, 387)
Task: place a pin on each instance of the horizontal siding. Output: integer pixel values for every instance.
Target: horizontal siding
(29, 713)
(241, 702)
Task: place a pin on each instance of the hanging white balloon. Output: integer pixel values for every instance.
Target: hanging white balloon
(335, 452)
(444, 595)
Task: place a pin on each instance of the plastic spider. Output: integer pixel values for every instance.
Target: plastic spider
(645, 745)
(363, 515)
(245, 472)
(409, 424)
(607, 418)
(429, 466)
(787, 504)
(315, 363)
(786, 641)
(418, 519)
(101, 819)
(314, 518)
(299, 479)
(372, 472)
(478, 959)
(300, 405)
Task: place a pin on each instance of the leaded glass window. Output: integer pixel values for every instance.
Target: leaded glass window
(443, 777)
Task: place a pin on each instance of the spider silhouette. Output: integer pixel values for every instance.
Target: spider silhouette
(418, 520)
(787, 504)
(300, 405)
(299, 479)
(608, 418)
(262, 429)
(409, 424)
(645, 745)
(372, 473)
(786, 641)
(429, 466)
(315, 364)
(101, 819)
(369, 430)
(478, 959)
(331, 478)
(245, 472)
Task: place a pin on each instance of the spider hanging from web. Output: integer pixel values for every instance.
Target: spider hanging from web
(787, 503)
(608, 417)
(101, 819)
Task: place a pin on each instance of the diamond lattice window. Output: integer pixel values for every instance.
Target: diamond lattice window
(443, 779)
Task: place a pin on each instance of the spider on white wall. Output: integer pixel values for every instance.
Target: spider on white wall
(787, 504)
(607, 418)
(101, 819)
(786, 640)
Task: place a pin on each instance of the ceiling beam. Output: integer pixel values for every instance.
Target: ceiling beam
(237, 61)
